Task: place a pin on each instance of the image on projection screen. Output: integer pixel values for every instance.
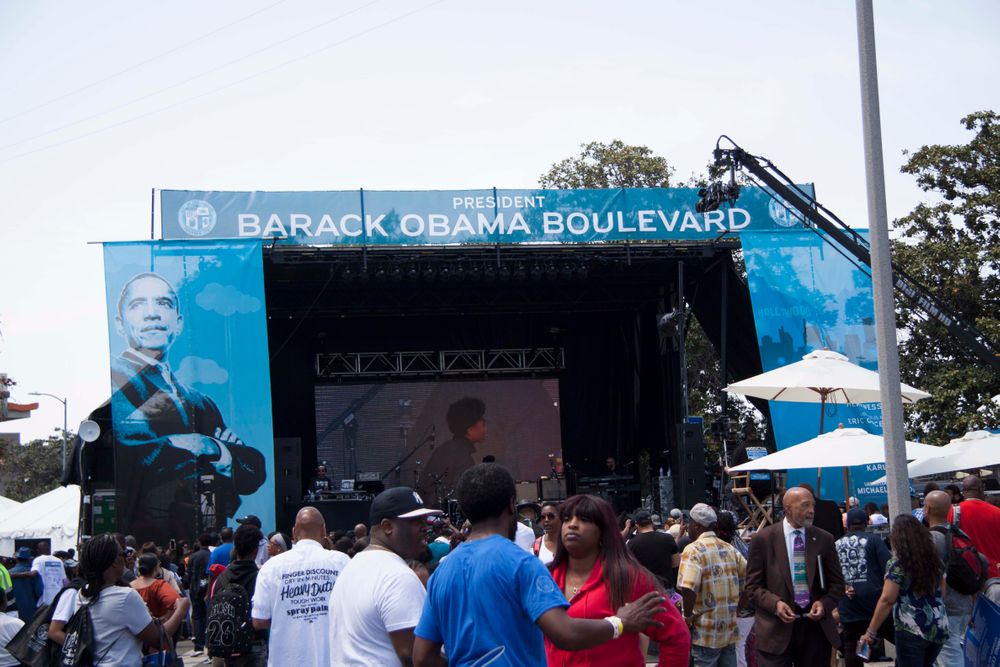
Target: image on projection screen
(370, 427)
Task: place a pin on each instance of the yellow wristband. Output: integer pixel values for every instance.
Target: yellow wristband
(616, 625)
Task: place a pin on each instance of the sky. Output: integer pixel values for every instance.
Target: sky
(102, 102)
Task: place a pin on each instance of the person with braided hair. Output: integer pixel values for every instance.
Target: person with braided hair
(121, 620)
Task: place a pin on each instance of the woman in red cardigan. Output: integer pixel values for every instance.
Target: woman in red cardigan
(598, 574)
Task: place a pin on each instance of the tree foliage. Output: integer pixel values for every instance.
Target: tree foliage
(30, 469)
(613, 165)
(951, 245)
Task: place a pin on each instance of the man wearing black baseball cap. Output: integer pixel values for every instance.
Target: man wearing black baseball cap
(656, 551)
(378, 599)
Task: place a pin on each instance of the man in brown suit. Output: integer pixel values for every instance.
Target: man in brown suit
(794, 627)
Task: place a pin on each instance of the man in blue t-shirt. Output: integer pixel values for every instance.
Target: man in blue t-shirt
(223, 553)
(490, 601)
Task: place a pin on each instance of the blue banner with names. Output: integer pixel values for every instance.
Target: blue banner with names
(191, 397)
(484, 216)
(807, 296)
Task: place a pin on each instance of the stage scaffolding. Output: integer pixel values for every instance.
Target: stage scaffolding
(442, 363)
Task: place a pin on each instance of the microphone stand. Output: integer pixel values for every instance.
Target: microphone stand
(399, 464)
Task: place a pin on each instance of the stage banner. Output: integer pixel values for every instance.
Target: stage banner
(806, 296)
(190, 381)
(464, 216)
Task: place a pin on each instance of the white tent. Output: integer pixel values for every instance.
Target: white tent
(6, 505)
(54, 515)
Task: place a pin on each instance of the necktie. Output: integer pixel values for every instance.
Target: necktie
(799, 582)
(174, 395)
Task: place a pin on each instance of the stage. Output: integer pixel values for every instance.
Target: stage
(419, 327)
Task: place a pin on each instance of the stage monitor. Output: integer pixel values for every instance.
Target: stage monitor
(366, 428)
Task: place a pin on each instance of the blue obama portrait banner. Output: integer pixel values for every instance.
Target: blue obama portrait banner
(190, 383)
(807, 296)
(464, 216)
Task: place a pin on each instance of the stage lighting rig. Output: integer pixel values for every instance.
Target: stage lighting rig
(801, 206)
(671, 324)
(719, 191)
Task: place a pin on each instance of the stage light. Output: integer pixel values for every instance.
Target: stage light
(551, 272)
(711, 197)
(504, 273)
(490, 273)
(397, 272)
(413, 272)
(536, 271)
(520, 272)
(429, 272)
(671, 324)
(444, 273)
(567, 271)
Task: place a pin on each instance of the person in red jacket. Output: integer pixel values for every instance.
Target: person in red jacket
(980, 520)
(598, 574)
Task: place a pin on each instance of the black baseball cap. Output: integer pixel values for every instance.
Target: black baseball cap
(249, 519)
(642, 517)
(400, 502)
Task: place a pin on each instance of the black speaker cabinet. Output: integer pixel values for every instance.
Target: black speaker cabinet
(689, 479)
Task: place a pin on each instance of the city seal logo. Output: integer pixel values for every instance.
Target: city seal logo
(781, 214)
(196, 217)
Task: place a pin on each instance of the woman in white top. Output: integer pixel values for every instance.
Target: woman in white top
(121, 621)
(545, 546)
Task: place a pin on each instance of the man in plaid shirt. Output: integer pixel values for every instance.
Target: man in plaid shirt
(710, 578)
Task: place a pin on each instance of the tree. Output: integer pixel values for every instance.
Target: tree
(614, 165)
(31, 469)
(951, 244)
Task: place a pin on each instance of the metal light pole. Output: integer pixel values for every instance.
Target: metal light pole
(65, 423)
(885, 312)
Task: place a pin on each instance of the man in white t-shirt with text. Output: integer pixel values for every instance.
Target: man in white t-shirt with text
(378, 599)
(51, 571)
(292, 596)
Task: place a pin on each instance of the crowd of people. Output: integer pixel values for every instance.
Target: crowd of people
(568, 583)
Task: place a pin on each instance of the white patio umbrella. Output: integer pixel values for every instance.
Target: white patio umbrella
(975, 449)
(821, 376)
(843, 447)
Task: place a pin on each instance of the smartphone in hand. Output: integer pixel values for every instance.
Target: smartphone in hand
(864, 651)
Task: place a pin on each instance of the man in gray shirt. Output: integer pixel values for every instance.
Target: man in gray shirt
(958, 606)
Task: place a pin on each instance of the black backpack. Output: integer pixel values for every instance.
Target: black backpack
(228, 630)
(78, 649)
(966, 569)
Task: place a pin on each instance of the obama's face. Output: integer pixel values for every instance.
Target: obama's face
(148, 316)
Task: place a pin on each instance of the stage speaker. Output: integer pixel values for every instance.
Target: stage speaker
(690, 486)
(288, 486)
(338, 514)
(552, 489)
(527, 491)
